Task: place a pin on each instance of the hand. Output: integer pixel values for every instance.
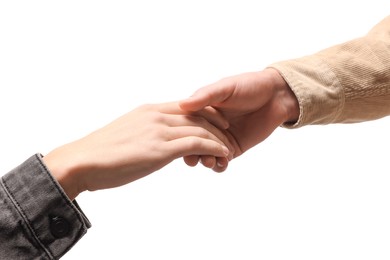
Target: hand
(254, 104)
(135, 145)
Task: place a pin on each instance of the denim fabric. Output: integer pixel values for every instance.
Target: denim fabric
(37, 220)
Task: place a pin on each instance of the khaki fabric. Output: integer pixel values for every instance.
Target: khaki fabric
(346, 83)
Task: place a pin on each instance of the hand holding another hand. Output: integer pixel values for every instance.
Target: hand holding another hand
(137, 144)
(219, 122)
(254, 104)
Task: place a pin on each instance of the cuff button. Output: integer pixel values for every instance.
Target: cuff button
(59, 227)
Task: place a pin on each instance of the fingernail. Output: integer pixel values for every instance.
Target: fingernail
(225, 150)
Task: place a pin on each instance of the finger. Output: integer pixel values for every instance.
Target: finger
(191, 160)
(213, 116)
(193, 145)
(210, 95)
(209, 113)
(218, 164)
(181, 126)
(208, 161)
(221, 165)
(205, 132)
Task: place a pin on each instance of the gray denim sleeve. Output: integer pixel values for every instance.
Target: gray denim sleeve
(37, 220)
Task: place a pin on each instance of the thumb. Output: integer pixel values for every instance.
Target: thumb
(211, 95)
(194, 103)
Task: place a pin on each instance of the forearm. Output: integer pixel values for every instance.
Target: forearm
(346, 83)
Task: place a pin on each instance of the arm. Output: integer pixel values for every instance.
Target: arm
(39, 218)
(349, 82)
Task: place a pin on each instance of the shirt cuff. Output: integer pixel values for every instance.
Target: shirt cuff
(320, 95)
(55, 222)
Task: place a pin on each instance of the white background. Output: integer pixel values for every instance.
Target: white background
(319, 192)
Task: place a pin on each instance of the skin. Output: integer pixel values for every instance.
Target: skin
(137, 144)
(254, 104)
(216, 124)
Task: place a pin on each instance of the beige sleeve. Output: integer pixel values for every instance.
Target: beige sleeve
(346, 83)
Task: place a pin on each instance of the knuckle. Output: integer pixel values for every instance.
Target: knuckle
(194, 143)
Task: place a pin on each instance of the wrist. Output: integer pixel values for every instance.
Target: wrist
(285, 96)
(64, 169)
